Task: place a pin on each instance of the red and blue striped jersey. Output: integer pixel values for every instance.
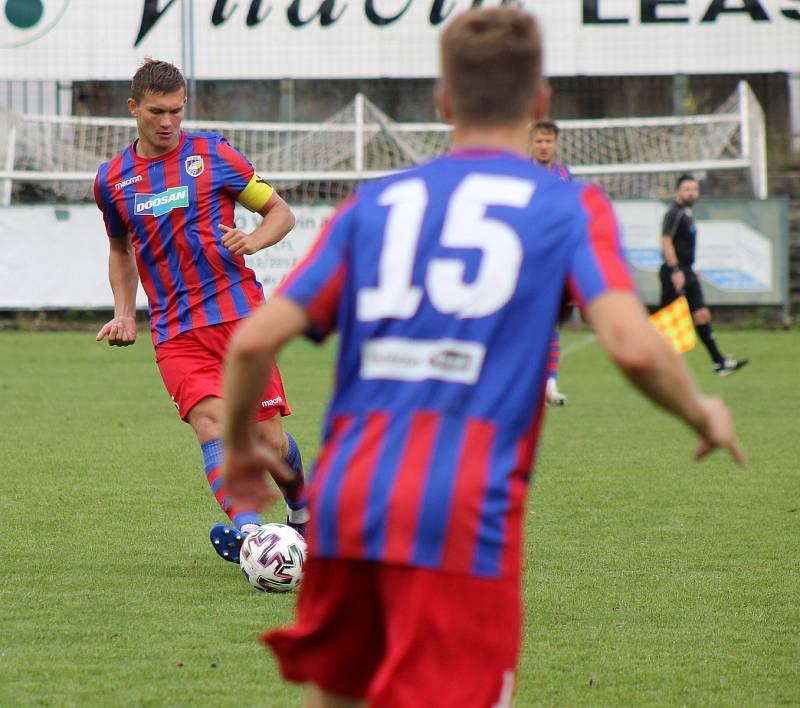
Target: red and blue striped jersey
(562, 171)
(171, 206)
(444, 282)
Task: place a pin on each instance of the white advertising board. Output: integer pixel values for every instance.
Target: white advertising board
(258, 39)
(56, 257)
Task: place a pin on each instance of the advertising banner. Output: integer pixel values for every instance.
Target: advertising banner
(741, 252)
(267, 39)
(57, 257)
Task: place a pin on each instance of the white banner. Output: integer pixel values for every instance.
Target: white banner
(266, 39)
(57, 257)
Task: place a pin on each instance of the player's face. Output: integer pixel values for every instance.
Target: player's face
(688, 192)
(545, 145)
(158, 120)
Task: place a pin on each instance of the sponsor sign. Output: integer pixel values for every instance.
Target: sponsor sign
(57, 39)
(163, 203)
(742, 256)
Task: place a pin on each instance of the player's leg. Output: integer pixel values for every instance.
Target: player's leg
(191, 369)
(205, 417)
(451, 640)
(272, 434)
(552, 394)
(701, 315)
(270, 430)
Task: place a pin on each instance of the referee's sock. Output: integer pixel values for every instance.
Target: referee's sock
(212, 455)
(706, 334)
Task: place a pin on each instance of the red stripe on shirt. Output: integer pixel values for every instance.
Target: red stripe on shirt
(518, 488)
(114, 175)
(469, 494)
(156, 247)
(186, 261)
(604, 240)
(354, 492)
(323, 309)
(247, 279)
(311, 256)
(340, 426)
(405, 500)
(207, 232)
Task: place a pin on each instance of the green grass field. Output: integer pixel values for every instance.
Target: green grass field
(651, 580)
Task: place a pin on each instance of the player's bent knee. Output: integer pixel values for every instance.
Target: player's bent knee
(270, 432)
(206, 420)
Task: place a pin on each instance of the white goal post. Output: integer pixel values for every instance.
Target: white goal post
(55, 158)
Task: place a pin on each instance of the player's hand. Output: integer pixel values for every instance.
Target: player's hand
(239, 242)
(244, 473)
(121, 332)
(718, 431)
(678, 281)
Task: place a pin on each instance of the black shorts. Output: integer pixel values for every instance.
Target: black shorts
(692, 289)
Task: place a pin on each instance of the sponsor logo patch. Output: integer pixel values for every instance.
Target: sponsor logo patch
(194, 165)
(158, 204)
(126, 182)
(403, 359)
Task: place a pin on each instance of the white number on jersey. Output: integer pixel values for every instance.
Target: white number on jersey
(465, 226)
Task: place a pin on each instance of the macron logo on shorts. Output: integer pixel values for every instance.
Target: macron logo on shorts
(158, 204)
(272, 402)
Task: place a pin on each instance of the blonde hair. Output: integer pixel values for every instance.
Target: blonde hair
(491, 64)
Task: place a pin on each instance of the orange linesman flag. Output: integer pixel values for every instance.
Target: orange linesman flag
(675, 322)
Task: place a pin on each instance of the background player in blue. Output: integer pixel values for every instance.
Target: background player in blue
(444, 282)
(677, 274)
(544, 149)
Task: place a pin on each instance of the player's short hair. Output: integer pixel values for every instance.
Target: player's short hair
(545, 126)
(491, 65)
(156, 76)
(686, 177)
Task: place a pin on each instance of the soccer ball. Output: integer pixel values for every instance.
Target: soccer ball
(272, 558)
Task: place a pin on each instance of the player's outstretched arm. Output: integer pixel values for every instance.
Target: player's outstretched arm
(124, 279)
(277, 222)
(250, 358)
(651, 364)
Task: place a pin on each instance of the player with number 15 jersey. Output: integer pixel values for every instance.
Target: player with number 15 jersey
(446, 321)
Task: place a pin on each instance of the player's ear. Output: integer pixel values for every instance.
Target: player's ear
(541, 101)
(443, 102)
(133, 107)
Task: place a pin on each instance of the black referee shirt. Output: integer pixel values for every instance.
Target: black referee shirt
(679, 225)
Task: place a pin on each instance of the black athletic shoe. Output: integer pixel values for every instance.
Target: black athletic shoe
(729, 365)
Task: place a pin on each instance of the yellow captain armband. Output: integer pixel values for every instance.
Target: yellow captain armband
(256, 194)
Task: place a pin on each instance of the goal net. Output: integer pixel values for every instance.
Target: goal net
(54, 158)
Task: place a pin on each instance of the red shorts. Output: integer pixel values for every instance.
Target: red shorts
(402, 636)
(191, 367)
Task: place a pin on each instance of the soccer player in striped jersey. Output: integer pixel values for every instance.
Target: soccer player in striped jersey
(544, 147)
(168, 202)
(444, 282)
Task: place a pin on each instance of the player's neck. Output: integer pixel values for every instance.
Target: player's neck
(511, 138)
(146, 149)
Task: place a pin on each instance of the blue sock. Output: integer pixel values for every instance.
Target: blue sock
(212, 455)
(295, 493)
